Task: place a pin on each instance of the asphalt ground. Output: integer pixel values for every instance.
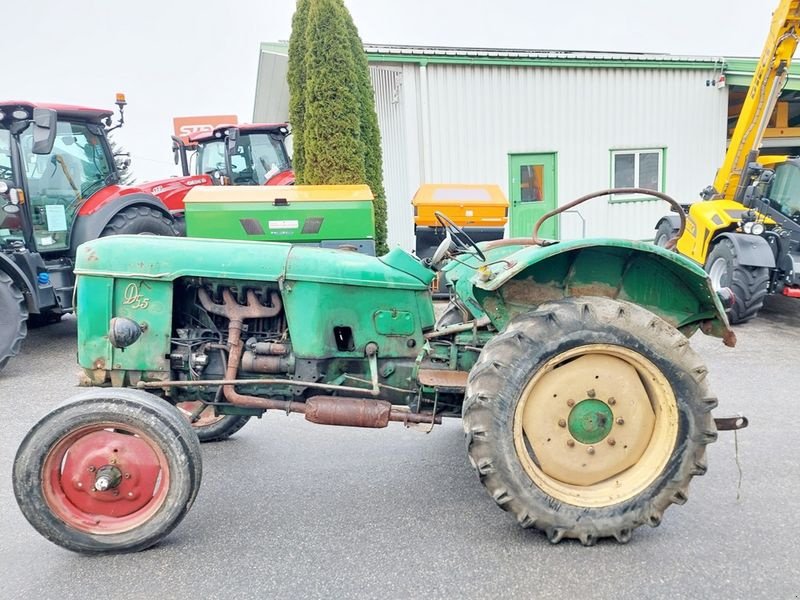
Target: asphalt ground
(289, 509)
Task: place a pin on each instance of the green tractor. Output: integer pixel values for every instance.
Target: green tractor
(585, 410)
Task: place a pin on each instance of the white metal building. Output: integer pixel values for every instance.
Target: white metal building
(546, 126)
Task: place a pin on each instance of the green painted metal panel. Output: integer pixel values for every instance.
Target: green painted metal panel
(147, 302)
(394, 322)
(565, 62)
(167, 259)
(315, 311)
(93, 310)
(297, 222)
(740, 71)
(397, 269)
(664, 282)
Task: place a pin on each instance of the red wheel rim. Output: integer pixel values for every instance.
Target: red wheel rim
(207, 418)
(71, 467)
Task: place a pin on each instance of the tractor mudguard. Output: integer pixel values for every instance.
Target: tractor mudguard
(37, 296)
(515, 280)
(90, 226)
(673, 220)
(751, 250)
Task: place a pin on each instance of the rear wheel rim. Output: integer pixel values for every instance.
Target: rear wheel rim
(73, 467)
(717, 271)
(616, 462)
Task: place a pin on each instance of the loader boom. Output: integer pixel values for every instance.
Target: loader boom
(768, 81)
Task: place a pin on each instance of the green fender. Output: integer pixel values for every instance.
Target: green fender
(516, 279)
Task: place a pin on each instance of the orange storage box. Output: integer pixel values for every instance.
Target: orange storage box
(467, 204)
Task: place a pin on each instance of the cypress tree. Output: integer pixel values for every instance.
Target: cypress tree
(331, 106)
(334, 152)
(296, 77)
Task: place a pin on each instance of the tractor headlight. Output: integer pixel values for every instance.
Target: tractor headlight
(748, 227)
(757, 229)
(122, 332)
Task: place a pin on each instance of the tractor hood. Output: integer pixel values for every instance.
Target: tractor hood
(169, 258)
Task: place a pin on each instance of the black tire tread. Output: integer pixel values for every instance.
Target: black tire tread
(480, 419)
(750, 285)
(131, 219)
(128, 405)
(17, 327)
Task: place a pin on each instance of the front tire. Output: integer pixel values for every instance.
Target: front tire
(587, 418)
(110, 470)
(140, 220)
(748, 284)
(13, 319)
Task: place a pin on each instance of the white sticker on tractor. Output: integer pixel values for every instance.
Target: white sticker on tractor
(56, 217)
(284, 224)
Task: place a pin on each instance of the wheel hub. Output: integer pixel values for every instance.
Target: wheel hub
(590, 421)
(109, 474)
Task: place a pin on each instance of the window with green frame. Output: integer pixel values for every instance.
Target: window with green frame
(642, 168)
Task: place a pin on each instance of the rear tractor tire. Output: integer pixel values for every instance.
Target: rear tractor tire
(110, 470)
(140, 220)
(587, 418)
(748, 284)
(13, 319)
(209, 426)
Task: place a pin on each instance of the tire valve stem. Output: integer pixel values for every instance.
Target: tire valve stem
(108, 477)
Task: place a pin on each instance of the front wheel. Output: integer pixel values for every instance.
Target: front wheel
(111, 470)
(587, 418)
(748, 284)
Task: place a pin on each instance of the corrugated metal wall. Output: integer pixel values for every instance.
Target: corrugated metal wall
(459, 123)
(387, 83)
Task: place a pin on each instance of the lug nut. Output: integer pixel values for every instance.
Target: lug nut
(612, 401)
(570, 402)
(611, 441)
(591, 393)
(590, 450)
(570, 443)
(562, 423)
(620, 421)
(92, 469)
(127, 475)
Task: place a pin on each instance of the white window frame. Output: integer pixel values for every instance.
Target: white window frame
(636, 152)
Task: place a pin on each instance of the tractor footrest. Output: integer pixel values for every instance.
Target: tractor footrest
(731, 423)
(443, 379)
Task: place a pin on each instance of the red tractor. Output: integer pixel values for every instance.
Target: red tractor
(59, 187)
(246, 154)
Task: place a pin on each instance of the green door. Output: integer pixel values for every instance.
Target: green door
(532, 193)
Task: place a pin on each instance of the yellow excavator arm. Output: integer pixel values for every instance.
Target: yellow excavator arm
(768, 81)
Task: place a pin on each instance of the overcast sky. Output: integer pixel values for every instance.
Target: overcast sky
(177, 57)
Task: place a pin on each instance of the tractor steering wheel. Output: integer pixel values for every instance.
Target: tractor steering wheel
(454, 237)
